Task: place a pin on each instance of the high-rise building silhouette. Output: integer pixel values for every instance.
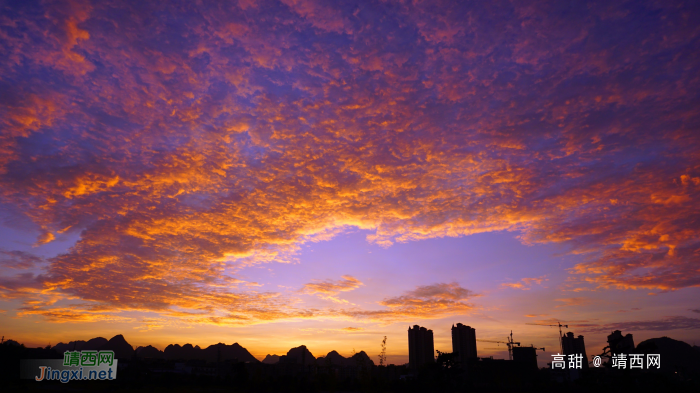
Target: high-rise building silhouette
(619, 343)
(464, 342)
(573, 346)
(526, 355)
(420, 346)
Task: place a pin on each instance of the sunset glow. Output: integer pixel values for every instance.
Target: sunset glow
(279, 173)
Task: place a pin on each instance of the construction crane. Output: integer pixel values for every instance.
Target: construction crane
(536, 349)
(561, 344)
(509, 343)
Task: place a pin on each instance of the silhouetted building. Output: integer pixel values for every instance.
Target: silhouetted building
(420, 346)
(526, 356)
(574, 345)
(619, 343)
(464, 342)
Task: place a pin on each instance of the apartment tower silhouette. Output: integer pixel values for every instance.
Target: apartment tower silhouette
(619, 343)
(420, 347)
(464, 342)
(574, 346)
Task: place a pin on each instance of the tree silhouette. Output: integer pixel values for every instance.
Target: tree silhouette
(446, 359)
(382, 355)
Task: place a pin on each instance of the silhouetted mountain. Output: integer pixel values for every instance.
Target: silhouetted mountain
(333, 358)
(149, 352)
(226, 352)
(190, 352)
(122, 349)
(172, 351)
(71, 346)
(95, 343)
(361, 359)
(271, 359)
(298, 355)
(676, 356)
(212, 353)
(185, 352)
(11, 343)
(80, 345)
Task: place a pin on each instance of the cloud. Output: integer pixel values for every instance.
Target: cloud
(320, 15)
(71, 314)
(425, 302)
(329, 289)
(183, 149)
(26, 286)
(451, 291)
(525, 283)
(575, 301)
(19, 259)
(46, 237)
(662, 324)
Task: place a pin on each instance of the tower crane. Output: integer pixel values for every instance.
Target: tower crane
(561, 346)
(509, 343)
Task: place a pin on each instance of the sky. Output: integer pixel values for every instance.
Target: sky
(327, 173)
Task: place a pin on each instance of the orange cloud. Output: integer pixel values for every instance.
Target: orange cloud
(425, 302)
(574, 301)
(526, 283)
(329, 289)
(177, 152)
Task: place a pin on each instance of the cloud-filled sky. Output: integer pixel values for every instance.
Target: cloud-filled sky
(330, 172)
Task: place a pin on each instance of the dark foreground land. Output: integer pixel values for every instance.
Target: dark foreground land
(680, 372)
(324, 384)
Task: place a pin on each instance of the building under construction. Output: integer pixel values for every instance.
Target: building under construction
(526, 356)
